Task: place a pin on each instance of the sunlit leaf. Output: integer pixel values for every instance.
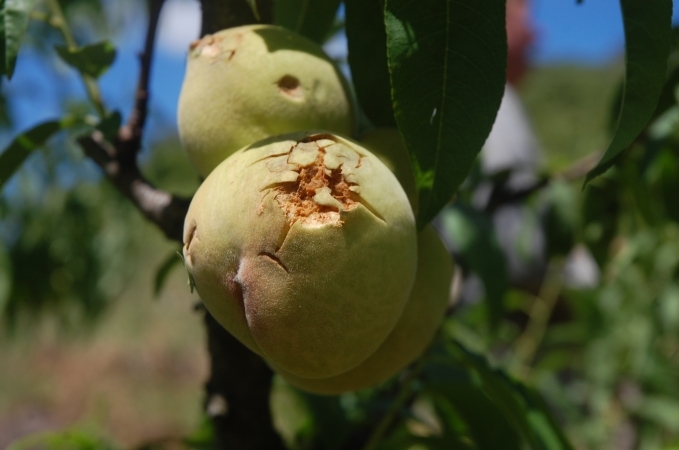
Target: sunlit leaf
(13, 23)
(92, 60)
(310, 18)
(648, 34)
(369, 66)
(447, 61)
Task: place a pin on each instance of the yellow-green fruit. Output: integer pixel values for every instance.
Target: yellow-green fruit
(421, 318)
(304, 247)
(247, 83)
(387, 144)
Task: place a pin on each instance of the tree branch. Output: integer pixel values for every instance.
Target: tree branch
(129, 136)
(237, 393)
(162, 208)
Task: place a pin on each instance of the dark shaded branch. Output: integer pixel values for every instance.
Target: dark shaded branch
(238, 394)
(162, 208)
(221, 14)
(129, 136)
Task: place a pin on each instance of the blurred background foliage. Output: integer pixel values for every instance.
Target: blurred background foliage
(85, 348)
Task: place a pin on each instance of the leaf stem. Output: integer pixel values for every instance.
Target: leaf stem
(59, 22)
(527, 344)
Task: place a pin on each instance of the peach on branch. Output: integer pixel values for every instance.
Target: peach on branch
(414, 331)
(246, 83)
(304, 247)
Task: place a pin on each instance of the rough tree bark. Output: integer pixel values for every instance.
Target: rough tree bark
(237, 392)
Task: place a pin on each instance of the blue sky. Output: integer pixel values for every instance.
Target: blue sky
(588, 33)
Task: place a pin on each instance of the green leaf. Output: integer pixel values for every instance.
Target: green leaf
(369, 66)
(447, 62)
(15, 14)
(22, 146)
(92, 60)
(648, 34)
(475, 241)
(522, 407)
(164, 270)
(310, 18)
(477, 410)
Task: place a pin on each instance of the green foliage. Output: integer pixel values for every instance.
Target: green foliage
(369, 68)
(648, 33)
(478, 249)
(64, 440)
(447, 84)
(92, 60)
(13, 23)
(70, 254)
(18, 150)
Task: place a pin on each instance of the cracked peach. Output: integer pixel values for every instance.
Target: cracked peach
(414, 331)
(246, 83)
(304, 247)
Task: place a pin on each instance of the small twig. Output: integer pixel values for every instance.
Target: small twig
(130, 135)
(527, 344)
(402, 397)
(58, 21)
(580, 168)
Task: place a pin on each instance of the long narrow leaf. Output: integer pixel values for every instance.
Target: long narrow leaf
(648, 35)
(13, 23)
(369, 66)
(22, 146)
(447, 60)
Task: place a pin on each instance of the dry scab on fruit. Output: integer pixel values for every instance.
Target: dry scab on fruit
(246, 83)
(304, 248)
(414, 331)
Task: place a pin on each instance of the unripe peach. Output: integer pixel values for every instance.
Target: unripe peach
(388, 145)
(304, 247)
(414, 331)
(247, 83)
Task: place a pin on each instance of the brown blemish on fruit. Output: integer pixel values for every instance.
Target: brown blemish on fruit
(211, 47)
(187, 245)
(307, 201)
(290, 86)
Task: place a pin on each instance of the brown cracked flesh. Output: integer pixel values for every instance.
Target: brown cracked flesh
(319, 193)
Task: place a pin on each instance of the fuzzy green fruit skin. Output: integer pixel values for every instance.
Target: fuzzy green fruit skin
(240, 87)
(388, 145)
(421, 318)
(339, 289)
